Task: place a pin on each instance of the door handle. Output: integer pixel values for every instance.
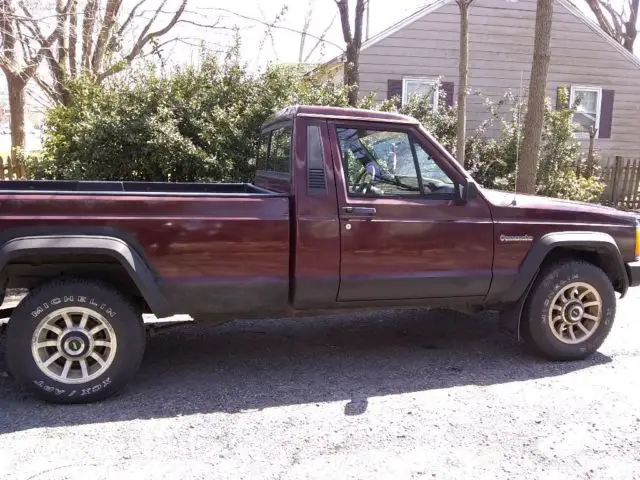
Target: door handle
(359, 211)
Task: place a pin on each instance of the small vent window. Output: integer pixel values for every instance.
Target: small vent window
(316, 182)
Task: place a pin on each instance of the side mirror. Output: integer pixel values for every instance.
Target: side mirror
(468, 190)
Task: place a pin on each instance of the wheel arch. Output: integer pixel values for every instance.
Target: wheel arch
(597, 248)
(74, 250)
(594, 247)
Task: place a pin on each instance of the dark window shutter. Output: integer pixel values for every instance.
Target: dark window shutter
(394, 88)
(447, 88)
(559, 103)
(606, 114)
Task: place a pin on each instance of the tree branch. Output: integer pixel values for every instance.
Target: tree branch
(343, 8)
(73, 38)
(594, 5)
(305, 29)
(7, 33)
(110, 17)
(144, 38)
(88, 22)
(63, 42)
(130, 18)
(616, 19)
(279, 27)
(33, 27)
(206, 25)
(320, 39)
(357, 34)
(46, 88)
(30, 70)
(27, 50)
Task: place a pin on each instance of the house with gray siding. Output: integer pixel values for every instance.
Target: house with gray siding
(412, 55)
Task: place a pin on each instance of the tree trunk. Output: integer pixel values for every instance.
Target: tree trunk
(528, 164)
(463, 70)
(351, 74)
(73, 38)
(353, 43)
(17, 87)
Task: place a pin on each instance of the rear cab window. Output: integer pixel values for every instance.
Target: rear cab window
(273, 168)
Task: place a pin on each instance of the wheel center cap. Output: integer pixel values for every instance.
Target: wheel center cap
(573, 312)
(75, 344)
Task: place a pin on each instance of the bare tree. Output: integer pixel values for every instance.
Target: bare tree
(353, 44)
(305, 29)
(276, 24)
(302, 57)
(90, 40)
(528, 163)
(23, 47)
(463, 77)
(620, 22)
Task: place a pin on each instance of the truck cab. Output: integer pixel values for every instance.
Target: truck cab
(381, 213)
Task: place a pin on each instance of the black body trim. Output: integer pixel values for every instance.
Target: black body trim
(116, 248)
(255, 297)
(633, 271)
(420, 285)
(602, 243)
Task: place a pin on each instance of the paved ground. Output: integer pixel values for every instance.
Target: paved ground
(397, 395)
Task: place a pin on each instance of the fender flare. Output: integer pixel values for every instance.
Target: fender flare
(515, 298)
(137, 268)
(599, 242)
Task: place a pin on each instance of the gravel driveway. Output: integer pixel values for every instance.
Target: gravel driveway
(408, 394)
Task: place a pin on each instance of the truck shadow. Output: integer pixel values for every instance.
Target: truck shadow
(249, 365)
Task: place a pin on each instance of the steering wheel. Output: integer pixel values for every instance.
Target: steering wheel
(363, 183)
(433, 186)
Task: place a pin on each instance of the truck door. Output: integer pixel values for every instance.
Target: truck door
(405, 234)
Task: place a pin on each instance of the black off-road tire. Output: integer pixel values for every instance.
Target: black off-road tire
(45, 302)
(536, 324)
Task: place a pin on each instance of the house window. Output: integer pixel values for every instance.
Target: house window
(421, 86)
(586, 101)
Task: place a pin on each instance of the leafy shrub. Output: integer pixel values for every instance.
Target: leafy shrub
(492, 161)
(199, 124)
(202, 124)
(559, 173)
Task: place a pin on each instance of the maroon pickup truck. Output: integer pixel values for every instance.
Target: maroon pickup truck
(350, 209)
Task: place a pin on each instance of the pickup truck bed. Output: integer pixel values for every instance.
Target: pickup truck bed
(151, 188)
(213, 251)
(349, 210)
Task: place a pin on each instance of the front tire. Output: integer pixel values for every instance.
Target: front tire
(570, 311)
(74, 341)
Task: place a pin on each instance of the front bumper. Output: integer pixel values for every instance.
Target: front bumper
(633, 271)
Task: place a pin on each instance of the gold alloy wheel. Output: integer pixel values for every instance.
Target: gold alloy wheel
(575, 313)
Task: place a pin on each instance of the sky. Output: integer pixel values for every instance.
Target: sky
(261, 45)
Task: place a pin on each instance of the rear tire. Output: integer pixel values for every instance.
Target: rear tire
(74, 341)
(570, 311)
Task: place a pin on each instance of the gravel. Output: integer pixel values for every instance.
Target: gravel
(405, 394)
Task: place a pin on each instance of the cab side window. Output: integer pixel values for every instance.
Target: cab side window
(275, 152)
(280, 151)
(385, 163)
